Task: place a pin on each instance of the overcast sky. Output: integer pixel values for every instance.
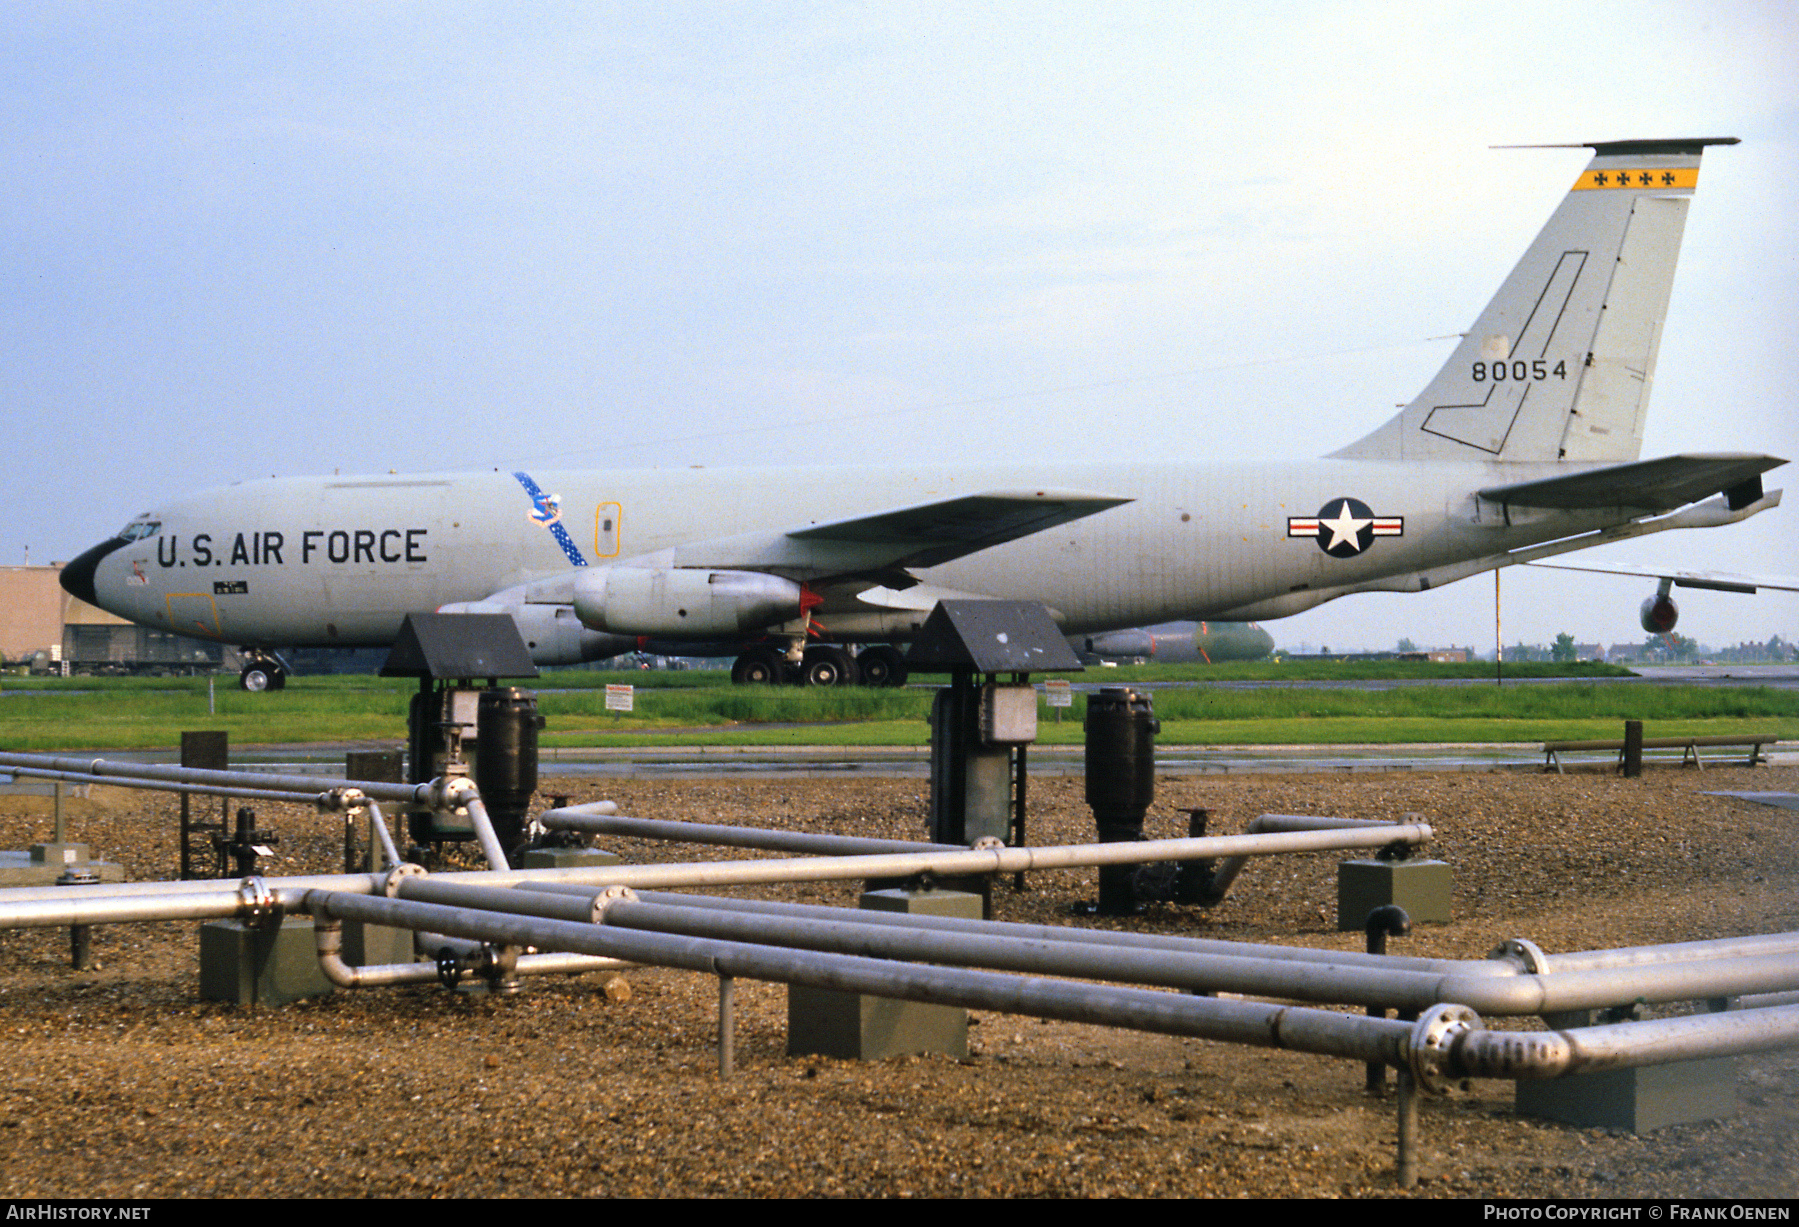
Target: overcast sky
(250, 239)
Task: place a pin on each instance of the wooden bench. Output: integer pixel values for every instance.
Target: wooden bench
(1553, 750)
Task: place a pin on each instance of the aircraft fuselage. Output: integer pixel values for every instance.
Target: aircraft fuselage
(341, 561)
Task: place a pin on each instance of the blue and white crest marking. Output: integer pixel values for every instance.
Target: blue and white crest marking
(546, 510)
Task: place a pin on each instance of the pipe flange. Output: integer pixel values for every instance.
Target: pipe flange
(1526, 952)
(453, 793)
(1433, 1037)
(399, 873)
(606, 898)
(343, 800)
(257, 903)
(988, 843)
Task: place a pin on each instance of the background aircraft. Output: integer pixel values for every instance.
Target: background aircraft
(1658, 614)
(1179, 643)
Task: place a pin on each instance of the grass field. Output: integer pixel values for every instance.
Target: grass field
(685, 708)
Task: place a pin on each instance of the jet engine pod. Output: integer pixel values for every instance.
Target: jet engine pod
(1658, 614)
(683, 602)
(552, 633)
(1122, 643)
(555, 636)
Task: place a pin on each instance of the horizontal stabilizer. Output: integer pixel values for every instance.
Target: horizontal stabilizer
(1716, 581)
(1649, 485)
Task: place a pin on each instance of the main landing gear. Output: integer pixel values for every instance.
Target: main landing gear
(824, 664)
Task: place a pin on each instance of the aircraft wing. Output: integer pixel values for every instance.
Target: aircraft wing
(885, 543)
(1717, 581)
(1652, 485)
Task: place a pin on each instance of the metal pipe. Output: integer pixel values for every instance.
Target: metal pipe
(958, 861)
(484, 832)
(328, 940)
(16, 911)
(557, 963)
(967, 861)
(730, 836)
(212, 790)
(434, 945)
(389, 853)
(454, 793)
(196, 886)
(1321, 1031)
(727, 1026)
(1675, 952)
(1558, 991)
(1492, 986)
(1446, 1043)
(1336, 977)
(552, 906)
(417, 794)
(1407, 1148)
(1193, 972)
(1055, 933)
(1520, 994)
(1684, 970)
(1556, 1054)
(1226, 873)
(218, 903)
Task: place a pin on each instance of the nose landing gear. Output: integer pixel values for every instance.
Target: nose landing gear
(263, 672)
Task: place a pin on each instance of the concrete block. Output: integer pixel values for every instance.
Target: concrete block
(568, 858)
(260, 966)
(367, 945)
(827, 1022)
(1640, 1100)
(1422, 888)
(923, 902)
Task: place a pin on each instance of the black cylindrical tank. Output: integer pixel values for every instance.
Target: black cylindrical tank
(1121, 781)
(506, 725)
(1121, 756)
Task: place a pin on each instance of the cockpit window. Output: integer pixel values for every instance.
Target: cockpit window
(137, 530)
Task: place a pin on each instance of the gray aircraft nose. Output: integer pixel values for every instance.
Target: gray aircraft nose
(78, 576)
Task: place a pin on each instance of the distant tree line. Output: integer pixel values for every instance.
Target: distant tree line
(1667, 648)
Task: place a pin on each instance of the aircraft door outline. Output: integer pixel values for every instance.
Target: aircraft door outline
(200, 620)
(607, 524)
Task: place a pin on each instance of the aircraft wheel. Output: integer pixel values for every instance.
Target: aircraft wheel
(277, 678)
(828, 665)
(257, 677)
(882, 665)
(756, 667)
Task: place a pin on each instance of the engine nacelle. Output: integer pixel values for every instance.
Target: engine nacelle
(552, 633)
(1121, 643)
(1658, 614)
(683, 602)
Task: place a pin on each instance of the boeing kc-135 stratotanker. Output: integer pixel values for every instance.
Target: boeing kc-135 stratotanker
(1525, 445)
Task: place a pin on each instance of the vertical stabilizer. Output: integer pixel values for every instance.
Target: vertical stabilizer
(1558, 366)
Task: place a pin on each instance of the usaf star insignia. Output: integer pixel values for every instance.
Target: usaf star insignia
(1345, 527)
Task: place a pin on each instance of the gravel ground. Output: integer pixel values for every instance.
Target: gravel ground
(125, 1084)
